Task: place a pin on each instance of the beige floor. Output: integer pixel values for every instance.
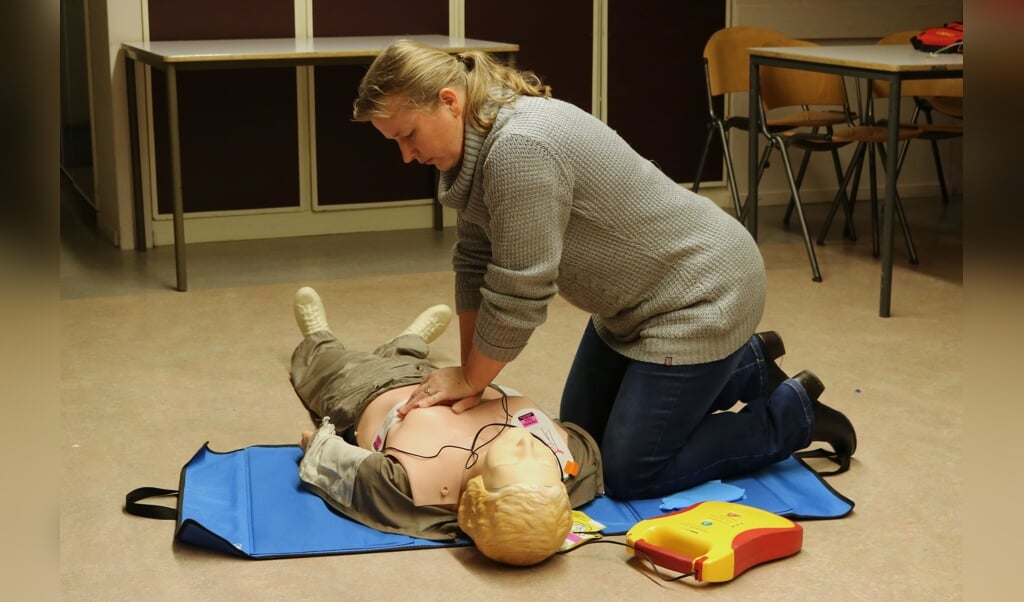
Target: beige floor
(149, 374)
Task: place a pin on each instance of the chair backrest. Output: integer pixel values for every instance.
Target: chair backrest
(781, 87)
(950, 105)
(953, 87)
(727, 60)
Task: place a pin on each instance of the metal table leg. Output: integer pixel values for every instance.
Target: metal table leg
(889, 211)
(179, 203)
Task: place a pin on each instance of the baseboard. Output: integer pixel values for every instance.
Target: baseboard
(254, 226)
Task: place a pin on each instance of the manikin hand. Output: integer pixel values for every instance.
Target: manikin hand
(447, 386)
(307, 436)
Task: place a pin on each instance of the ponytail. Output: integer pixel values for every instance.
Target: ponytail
(414, 74)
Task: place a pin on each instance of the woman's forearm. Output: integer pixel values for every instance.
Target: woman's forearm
(467, 327)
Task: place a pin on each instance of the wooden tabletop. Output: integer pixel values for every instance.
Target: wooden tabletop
(292, 49)
(867, 56)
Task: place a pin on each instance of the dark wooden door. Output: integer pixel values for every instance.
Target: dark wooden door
(354, 163)
(656, 95)
(555, 40)
(238, 127)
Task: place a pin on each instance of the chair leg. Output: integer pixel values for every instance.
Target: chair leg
(935, 155)
(812, 257)
(939, 173)
(849, 231)
(799, 182)
(902, 217)
(730, 171)
(938, 162)
(911, 251)
(804, 162)
(762, 165)
(873, 184)
(851, 171)
(703, 157)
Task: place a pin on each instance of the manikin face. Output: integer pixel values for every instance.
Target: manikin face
(516, 456)
(428, 137)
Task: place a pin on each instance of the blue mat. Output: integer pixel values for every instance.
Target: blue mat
(249, 503)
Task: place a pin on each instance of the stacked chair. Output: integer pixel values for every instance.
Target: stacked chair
(931, 97)
(783, 89)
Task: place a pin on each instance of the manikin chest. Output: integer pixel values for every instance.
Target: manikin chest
(433, 444)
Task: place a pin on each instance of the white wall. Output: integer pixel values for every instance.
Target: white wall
(844, 19)
(110, 23)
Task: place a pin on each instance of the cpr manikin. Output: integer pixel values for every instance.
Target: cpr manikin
(502, 473)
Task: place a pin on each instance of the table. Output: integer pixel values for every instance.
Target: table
(874, 62)
(172, 56)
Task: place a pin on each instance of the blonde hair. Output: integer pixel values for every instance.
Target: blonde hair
(416, 73)
(520, 524)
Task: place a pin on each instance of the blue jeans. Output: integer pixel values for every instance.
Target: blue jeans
(660, 428)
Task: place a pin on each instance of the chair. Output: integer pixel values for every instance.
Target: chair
(727, 71)
(786, 88)
(928, 96)
(789, 89)
(942, 96)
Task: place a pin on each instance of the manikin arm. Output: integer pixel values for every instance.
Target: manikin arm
(369, 488)
(330, 464)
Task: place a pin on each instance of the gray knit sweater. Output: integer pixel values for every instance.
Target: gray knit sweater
(551, 200)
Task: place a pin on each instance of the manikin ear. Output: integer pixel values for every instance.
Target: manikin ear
(450, 98)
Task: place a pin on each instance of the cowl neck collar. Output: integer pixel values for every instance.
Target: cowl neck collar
(455, 185)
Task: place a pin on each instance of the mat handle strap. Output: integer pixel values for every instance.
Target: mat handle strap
(842, 461)
(132, 505)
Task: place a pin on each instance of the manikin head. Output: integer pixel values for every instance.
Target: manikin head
(517, 509)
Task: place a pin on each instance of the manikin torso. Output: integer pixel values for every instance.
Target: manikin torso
(439, 478)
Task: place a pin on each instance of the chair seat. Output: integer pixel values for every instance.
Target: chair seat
(742, 122)
(813, 142)
(876, 134)
(810, 119)
(950, 105)
(934, 131)
(940, 132)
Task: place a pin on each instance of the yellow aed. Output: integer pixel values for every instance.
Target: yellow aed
(716, 541)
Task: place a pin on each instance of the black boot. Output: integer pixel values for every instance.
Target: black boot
(771, 344)
(830, 425)
(772, 348)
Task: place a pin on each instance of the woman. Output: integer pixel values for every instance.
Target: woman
(551, 200)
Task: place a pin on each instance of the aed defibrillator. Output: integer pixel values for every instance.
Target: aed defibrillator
(715, 541)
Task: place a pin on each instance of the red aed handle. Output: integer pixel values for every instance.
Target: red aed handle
(666, 558)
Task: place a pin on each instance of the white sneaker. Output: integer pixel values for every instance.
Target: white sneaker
(309, 311)
(431, 323)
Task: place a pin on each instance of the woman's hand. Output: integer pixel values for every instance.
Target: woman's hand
(447, 386)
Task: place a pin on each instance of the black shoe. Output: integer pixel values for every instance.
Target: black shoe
(811, 383)
(772, 348)
(834, 428)
(830, 425)
(771, 344)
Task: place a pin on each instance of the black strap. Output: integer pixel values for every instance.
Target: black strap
(841, 461)
(132, 505)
